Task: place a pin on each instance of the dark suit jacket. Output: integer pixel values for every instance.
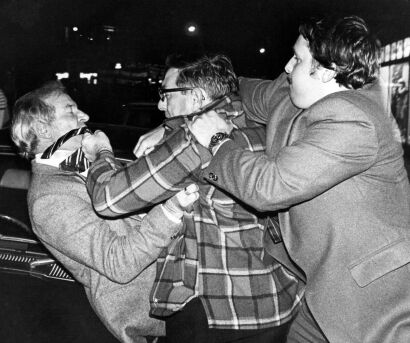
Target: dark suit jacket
(336, 174)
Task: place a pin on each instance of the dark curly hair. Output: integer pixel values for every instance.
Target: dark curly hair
(346, 46)
(214, 74)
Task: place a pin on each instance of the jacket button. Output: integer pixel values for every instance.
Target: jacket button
(213, 177)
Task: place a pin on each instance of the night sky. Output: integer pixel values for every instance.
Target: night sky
(35, 43)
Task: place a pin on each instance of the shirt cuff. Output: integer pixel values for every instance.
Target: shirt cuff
(216, 147)
(104, 152)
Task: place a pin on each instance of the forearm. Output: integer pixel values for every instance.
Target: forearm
(117, 249)
(147, 181)
(328, 154)
(262, 98)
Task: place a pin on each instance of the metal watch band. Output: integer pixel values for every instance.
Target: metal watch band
(217, 138)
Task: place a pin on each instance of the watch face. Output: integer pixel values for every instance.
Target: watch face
(215, 138)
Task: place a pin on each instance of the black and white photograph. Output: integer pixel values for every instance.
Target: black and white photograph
(201, 171)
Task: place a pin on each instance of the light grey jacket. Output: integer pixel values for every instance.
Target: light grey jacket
(335, 173)
(112, 258)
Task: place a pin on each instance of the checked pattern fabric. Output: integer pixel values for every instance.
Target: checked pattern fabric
(220, 255)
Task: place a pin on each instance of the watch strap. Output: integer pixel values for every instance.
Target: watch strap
(217, 138)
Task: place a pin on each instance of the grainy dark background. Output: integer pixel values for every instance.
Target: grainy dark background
(35, 44)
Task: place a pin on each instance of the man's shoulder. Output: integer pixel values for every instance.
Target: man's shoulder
(173, 138)
(279, 81)
(48, 180)
(351, 102)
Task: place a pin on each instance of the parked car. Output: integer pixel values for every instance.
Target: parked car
(142, 114)
(41, 302)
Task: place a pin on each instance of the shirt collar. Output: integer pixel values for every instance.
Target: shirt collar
(55, 160)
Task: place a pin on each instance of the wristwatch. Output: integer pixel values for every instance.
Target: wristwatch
(217, 138)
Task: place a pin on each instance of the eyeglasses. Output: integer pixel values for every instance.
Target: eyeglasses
(163, 91)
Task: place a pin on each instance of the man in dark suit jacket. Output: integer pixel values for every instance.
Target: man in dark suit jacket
(335, 173)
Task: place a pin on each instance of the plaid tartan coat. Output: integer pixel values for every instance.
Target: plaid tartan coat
(219, 256)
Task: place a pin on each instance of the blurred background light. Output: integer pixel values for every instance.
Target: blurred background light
(64, 75)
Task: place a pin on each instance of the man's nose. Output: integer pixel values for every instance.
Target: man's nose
(161, 105)
(289, 66)
(82, 116)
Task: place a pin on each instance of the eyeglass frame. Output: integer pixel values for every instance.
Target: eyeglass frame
(163, 91)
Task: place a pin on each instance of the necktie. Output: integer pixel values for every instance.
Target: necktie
(76, 162)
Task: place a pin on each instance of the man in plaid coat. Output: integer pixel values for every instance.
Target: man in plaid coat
(214, 278)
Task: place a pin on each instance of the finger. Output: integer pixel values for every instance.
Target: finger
(85, 139)
(190, 125)
(191, 188)
(187, 199)
(86, 154)
(139, 152)
(191, 198)
(148, 150)
(194, 124)
(135, 151)
(137, 146)
(142, 150)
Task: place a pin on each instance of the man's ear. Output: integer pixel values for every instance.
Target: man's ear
(328, 75)
(43, 130)
(198, 98)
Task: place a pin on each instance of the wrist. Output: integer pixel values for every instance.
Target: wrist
(217, 140)
(171, 214)
(173, 208)
(103, 151)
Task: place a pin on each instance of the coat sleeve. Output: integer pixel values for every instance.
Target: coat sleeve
(82, 236)
(261, 97)
(146, 181)
(334, 146)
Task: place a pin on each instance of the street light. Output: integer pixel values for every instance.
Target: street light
(191, 29)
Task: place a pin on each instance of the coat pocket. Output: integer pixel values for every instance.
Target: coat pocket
(381, 262)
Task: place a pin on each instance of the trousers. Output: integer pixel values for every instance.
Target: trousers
(191, 325)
